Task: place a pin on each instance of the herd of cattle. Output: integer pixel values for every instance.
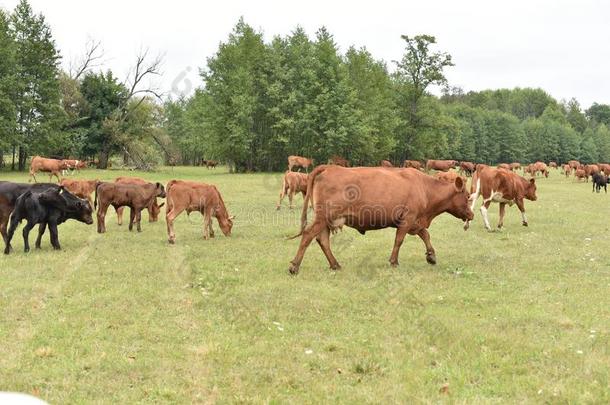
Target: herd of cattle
(364, 198)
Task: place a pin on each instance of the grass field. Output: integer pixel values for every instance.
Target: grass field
(520, 315)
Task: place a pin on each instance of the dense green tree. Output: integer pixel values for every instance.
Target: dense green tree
(575, 116)
(7, 77)
(599, 114)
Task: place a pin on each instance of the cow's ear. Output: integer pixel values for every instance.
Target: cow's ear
(459, 183)
(532, 181)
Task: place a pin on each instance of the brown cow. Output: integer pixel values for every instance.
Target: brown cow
(449, 176)
(504, 166)
(52, 166)
(74, 164)
(80, 188)
(591, 170)
(369, 198)
(338, 161)
(153, 209)
(539, 167)
(299, 161)
(467, 168)
(504, 187)
(553, 165)
(604, 167)
(515, 166)
(581, 174)
(574, 164)
(200, 197)
(135, 196)
(442, 165)
(567, 170)
(386, 163)
(415, 164)
(210, 163)
(293, 182)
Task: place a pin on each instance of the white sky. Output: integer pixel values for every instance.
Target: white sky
(560, 46)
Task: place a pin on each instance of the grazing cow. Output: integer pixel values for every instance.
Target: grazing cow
(553, 165)
(574, 164)
(599, 180)
(369, 198)
(51, 166)
(604, 167)
(293, 182)
(415, 164)
(338, 161)
(441, 165)
(73, 164)
(153, 209)
(9, 192)
(51, 207)
(386, 163)
(591, 170)
(192, 196)
(448, 176)
(467, 168)
(135, 196)
(581, 174)
(210, 163)
(299, 161)
(80, 188)
(567, 170)
(515, 166)
(504, 166)
(504, 187)
(539, 167)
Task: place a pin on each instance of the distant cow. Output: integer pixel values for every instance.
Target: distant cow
(386, 163)
(599, 180)
(574, 164)
(80, 188)
(515, 166)
(338, 161)
(504, 187)
(51, 166)
(553, 165)
(153, 209)
(504, 166)
(467, 168)
(604, 167)
(441, 165)
(369, 198)
(73, 164)
(292, 183)
(539, 167)
(192, 196)
(209, 163)
(567, 170)
(299, 161)
(581, 174)
(136, 197)
(51, 208)
(591, 169)
(415, 164)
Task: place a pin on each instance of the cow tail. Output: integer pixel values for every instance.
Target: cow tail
(168, 200)
(308, 197)
(95, 201)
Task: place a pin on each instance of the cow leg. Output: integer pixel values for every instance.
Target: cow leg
(101, 218)
(132, 217)
(521, 207)
(400, 236)
(211, 230)
(119, 215)
(170, 216)
(484, 209)
(26, 236)
(502, 212)
(139, 220)
(9, 235)
(323, 240)
(54, 235)
(207, 223)
(41, 228)
(290, 198)
(282, 195)
(430, 254)
(3, 225)
(306, 238)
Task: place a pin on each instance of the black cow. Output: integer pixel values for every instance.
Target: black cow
(9, 192)
(51, 207)
(600, 180)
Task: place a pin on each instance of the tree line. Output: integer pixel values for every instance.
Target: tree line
(264, 100)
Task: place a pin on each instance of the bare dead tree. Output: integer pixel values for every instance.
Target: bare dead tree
(92, 58)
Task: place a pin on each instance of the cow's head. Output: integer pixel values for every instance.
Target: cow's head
(459, 205)
(530, 190)
(226, 224)
(72, 206)
(155, 209)
(160, 190)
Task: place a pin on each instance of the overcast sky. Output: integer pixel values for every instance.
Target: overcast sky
(560, 46)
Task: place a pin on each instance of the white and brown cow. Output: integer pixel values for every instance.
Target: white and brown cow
(503, 187)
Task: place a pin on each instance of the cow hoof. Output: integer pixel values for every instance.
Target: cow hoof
(26, 250)
(394, 264)
(6, 251)
(336, 267)
(500, 226)
(277, 208)
(171, 241)
(430, 258)
(293, 269)
(525, 224)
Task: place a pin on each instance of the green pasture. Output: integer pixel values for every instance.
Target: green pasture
(519, 315)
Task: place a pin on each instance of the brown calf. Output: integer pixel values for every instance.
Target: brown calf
(299, 161)
(153, 209)
(81, 188)
(415, 164)
(191, 196)
(137, 197)
(51, 166)
(442, 165)
(386, 163)
(338, 161)
(293, 182)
